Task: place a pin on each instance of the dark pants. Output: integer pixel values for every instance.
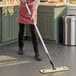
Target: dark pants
(33, 34)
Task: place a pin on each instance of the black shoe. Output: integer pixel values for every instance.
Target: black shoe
(20, 52)
(38, 57)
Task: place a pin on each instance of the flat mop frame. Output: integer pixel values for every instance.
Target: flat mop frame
(53, 67)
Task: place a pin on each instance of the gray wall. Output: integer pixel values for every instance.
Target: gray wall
(71, 10)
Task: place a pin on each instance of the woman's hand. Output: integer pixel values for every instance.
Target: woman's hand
(34, 16)
(29, 3)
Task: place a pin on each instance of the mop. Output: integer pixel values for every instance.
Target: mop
(53, 69)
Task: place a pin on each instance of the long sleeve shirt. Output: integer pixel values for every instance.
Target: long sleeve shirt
(36, 3)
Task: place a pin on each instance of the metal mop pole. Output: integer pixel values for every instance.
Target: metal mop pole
(39, 35)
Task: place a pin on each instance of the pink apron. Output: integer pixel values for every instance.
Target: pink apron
(23, 15)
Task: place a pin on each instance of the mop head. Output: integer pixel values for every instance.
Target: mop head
(58, 69)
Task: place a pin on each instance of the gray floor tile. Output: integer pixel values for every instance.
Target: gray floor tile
(16, 65)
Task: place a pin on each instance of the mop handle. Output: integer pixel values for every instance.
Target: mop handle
(39, 35)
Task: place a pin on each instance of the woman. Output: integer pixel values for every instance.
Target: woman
(23, 18)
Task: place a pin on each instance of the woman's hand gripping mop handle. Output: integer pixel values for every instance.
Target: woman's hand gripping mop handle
(39, 35)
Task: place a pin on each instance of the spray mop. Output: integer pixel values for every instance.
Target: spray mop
(53, 69)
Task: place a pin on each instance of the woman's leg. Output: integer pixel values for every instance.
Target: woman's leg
(21, 38)
(35, 42)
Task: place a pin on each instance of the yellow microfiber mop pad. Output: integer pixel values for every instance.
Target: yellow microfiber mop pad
(58, 69)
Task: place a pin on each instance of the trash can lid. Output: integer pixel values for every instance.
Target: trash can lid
(69, 17)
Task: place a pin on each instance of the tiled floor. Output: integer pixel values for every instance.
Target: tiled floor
(12, 64)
